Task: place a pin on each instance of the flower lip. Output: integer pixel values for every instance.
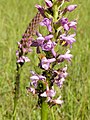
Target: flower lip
(66, 24)
(48, 46)
(32, 90)
(47, 22)
(35, 78)
(69, 39)
(45, 63)
(48, 37)
(49, 92)
(57, 101)
(23, 59)
(67, 56)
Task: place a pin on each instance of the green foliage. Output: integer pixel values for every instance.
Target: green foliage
(14, 18)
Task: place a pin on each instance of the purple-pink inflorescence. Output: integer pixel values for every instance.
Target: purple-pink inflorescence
(23, 49)
(47, 48)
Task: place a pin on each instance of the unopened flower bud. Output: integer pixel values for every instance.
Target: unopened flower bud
(70, 8)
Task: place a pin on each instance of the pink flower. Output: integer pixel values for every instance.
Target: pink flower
(19, 45)
(57, 101)
(72, 24)
(47, 22)
(48, 37)
(64, 23)
(48, 93)
(60, 76)
(32, 90)
(45, 63)
(69, 39)
(48, 3)
(48, 46)
(61, 73)
(67, 25)
(53, 52)
(40, 9)
(23, 59)
(70, 8)
(41, 40)
(67, 56)
(59, 83)
(35, 78)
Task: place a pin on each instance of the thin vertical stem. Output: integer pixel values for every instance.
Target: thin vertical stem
(53, 118)
(55, 11)
(44, 111)
(16, 95)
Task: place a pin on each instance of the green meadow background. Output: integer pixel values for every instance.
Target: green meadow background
(15, 16)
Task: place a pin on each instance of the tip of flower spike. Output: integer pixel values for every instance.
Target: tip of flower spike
(47, 22)
(40, 9)
(38, 6)
(48, 3)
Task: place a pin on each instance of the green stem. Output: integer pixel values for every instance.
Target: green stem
(16, 95)
(55, 12)
(53, 118)
(44, 111)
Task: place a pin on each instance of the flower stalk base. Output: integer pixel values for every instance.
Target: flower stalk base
(44, 111)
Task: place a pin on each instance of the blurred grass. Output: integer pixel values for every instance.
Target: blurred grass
(14, 18)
